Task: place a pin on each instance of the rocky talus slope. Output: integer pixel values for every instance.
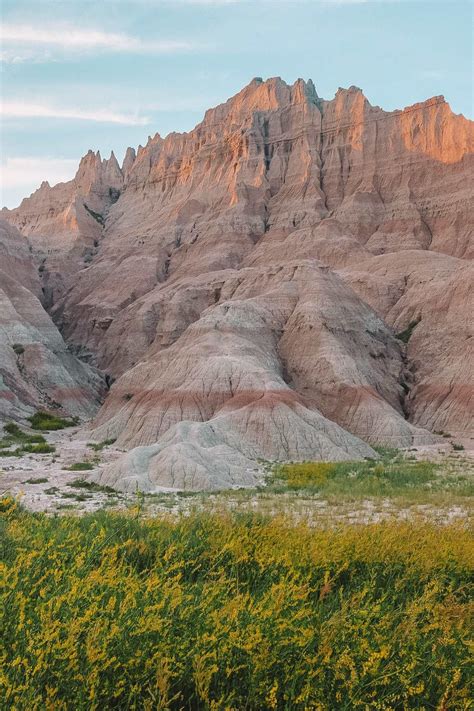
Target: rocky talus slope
(244, 284)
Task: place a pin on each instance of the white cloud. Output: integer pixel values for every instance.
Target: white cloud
(21, 176)
(20, 109)
(20, 55)
(71, 38)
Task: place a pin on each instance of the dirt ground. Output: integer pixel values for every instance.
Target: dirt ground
(44, 483)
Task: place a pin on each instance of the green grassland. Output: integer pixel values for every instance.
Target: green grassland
(393, 476)
(232, 611)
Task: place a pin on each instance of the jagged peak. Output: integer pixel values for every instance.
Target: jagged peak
(154, 139)
(112, 163)
(304, 91)
(129, 159)
(262, 95)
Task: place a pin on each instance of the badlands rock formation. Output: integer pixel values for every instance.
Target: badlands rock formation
(37, 371)
(245, 282)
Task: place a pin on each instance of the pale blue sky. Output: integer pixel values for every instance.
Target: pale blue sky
(77, 74)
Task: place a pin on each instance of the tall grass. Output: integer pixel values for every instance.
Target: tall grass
(392, 477)
(110, 611)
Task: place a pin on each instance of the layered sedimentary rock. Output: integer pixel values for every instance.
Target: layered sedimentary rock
(37, 371)
(66, 221)
(430, 297)
(201, 276)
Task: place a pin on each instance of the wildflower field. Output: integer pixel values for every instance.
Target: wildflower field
(118, 611)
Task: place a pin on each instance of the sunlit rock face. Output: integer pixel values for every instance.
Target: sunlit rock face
(244, 283)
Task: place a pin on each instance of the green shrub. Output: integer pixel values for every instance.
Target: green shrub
(18, 348)
(46, 421)
(91, 486)
(96, 215)
(80, 466)
(458, 447)
(41, 448)
(12, 429)
(98, 446)
(16, 434)
(407, 333)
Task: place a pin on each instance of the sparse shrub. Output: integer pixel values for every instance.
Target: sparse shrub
(96, 215)
(98, 446)
(51, 491)
(80, 466)
(46, 421)
(91, 486)
(458, 447)
(12, 429)
(15, 435)
(407, 333)
(40, 448)
(114, 194)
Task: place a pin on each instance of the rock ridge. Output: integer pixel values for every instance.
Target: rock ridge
(245, 283)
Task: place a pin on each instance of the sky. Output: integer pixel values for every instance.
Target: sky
(76, 74)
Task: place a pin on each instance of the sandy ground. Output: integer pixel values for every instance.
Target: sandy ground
(43, 483)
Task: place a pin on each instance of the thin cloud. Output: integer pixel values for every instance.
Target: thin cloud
(19, 109)
(22, 55)
(71, 38)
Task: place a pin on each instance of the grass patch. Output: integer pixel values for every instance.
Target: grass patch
(392, 477)
(80, 466)
(39, 480)
(112, 611)
(31, 444)
(91, 486)
(73, 495)
(46, 421)
(15, 434)
(99, 446)
(42, 448)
